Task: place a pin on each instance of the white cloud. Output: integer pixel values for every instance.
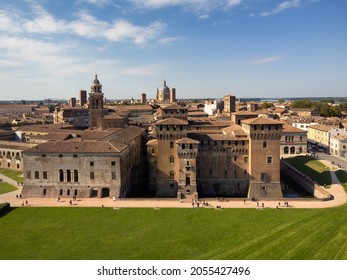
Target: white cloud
(204, 16)
(264, 60)
(282, 7)
(99, 3)
(169, 40)
(200, 7)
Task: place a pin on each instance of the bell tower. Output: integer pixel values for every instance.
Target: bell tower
(96, 104)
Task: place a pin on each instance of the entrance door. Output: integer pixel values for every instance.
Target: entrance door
(187, 181)
(105, 192)
(94, 193)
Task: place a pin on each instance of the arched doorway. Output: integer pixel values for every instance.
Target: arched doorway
(286, 150)
(292, 150)
(187, 181)
(105, 192)
(94, 192)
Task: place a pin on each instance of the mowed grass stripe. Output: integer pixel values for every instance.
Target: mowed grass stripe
(104, 233)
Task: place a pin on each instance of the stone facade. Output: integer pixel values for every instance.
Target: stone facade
(293, 140)
(98, 164)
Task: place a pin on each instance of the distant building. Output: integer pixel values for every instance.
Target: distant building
(143, 99)
(318, 136)
(229, 104)
(293, 140)
(83, 97)
(72, 102)
(172, 95)
(163, 94)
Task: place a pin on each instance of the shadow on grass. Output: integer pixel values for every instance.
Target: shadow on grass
(5, 208)
(301, 163)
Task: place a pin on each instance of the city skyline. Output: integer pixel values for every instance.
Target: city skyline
(205, 49)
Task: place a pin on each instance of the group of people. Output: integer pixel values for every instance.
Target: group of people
(198, 203)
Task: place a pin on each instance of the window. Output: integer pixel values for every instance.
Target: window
(68, 175)
(183, 146)
(68, 192)
(75, 175)
(269, 160)
(172, 175)
(245, 159)
(91, 163)
(61, 192)
(28, 174)
(74, 155)
(113, 163)
(263, 177)
(210, 172)
(43, 155)
(264, 144)
(61, 175)
(172, 159)
(92, 175)
(44, 175)
(171, 145)
(235, 158)
(113, 175)
(44, 191)
(188, 163)
(190, 146)
(60, 155)
(37, 174)
(75, 193)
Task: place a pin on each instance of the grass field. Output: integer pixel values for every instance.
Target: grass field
(6, 187)
(312, 168)
(342, 175)
(105, 233)
(13, 174)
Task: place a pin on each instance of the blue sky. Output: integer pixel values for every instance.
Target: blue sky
(203, 48)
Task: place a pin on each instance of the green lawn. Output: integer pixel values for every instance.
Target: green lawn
(105, 233)
(342, 175)
(312, 168)
(6, 187)
(13, 174)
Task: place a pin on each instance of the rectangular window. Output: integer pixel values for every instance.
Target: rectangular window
(113, 175)
(61, 192)
(269, 160)
(92, 175)
(28, 174)
(113, 163)
(68, 192)
(75, 155)
(75, 193)
(91, 163)
(263, 177)
(44, 191)
(245, 159)
(45, 175)
(43, 155)
(37, 174)
(60, 155)
(235, 158)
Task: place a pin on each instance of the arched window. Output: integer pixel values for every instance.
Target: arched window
(61, 175)
(68, 175)
(75, 175)
(292, 150)
(286, 150)
(172, 159)
(264, 144)
(171, 145)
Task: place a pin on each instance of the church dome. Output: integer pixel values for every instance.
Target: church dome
(96, 81)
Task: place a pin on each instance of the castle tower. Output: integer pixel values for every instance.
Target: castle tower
(264, 157)
(96, 104)
(229, 104)
(187, 151)
(172, 95)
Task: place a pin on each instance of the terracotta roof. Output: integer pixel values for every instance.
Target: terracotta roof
(174, 106)
(74, 147)
(172, 121)
(52, 136)
(290, 128)
(246, 113)
(113, 117)
(16, 145)
(261, 120)
(187, 141)
(321, 127)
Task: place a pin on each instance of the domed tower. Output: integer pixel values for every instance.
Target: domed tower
(96, 97)
(164, 93)
(96, 104)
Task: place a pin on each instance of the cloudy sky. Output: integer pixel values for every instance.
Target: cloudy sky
(203, 48)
